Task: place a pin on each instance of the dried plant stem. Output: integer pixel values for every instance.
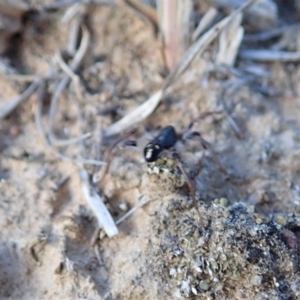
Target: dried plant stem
(41, 128)
(136, 116)
(201, 44)
(267, 35)
(204, 23)
(19, 77)
(144, 110)
(66, 3)
(269, 55)
(229, 41)
(7, 108)
(66, 80)
(141, 8)
(131, 211)
(75, 78)
(95, 202)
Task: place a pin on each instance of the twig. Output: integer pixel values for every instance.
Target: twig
(135, 116)
(174, 24)
(71, 141)
(201, 44)
(98, 138)
(80, 161)
(73, 36)
(61, 182)
(95, 238)
(233, 125)
(38, 119)
(206, 20)
(73, 11)
(256, 70)
(267, 35)
(230, 40)
(81, 50)
(19, 77)
(65, 81)
(66, 3)
(141, 9)
(131, 211)
(102, 214)
(81, 123)
(7, 108)
(75, 78)
(269, 55)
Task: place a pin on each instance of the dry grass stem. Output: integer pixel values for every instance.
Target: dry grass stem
(204, 23)
(75, 26)
(71, 141)
(72, 13)
(262, 16)
(136, 116)
(269, 55)
(176, 222)
(146, 109)
(65, 81)
(175, 26)
(75, 78)
(136, 207)
(41, 128)
(257, 70)
(201, 44)
(144, 9)
(7, 108)
(19, 77)
(167, 23)
(234, 125)
(229, 41)
(95, 202)
(270, 34)
(66, 3)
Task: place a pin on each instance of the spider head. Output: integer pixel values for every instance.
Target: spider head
(152, 151)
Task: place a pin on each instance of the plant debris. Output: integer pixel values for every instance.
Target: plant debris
(78, 78)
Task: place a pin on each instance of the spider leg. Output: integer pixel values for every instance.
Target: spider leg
(190, 183)
(203, 116)
(187, 133)
(207, 146)
(110, 152)
(198, 168)
(131, 143)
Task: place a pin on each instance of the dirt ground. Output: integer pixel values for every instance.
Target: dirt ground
(247, 244)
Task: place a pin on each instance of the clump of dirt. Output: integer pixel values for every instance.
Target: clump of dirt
(237, 255)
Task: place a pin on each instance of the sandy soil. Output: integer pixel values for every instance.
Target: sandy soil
(47, 227)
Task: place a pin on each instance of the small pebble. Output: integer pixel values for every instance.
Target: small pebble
(281, 220)
(204, 285)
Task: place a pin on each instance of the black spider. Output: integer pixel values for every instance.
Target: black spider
(166, 140)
